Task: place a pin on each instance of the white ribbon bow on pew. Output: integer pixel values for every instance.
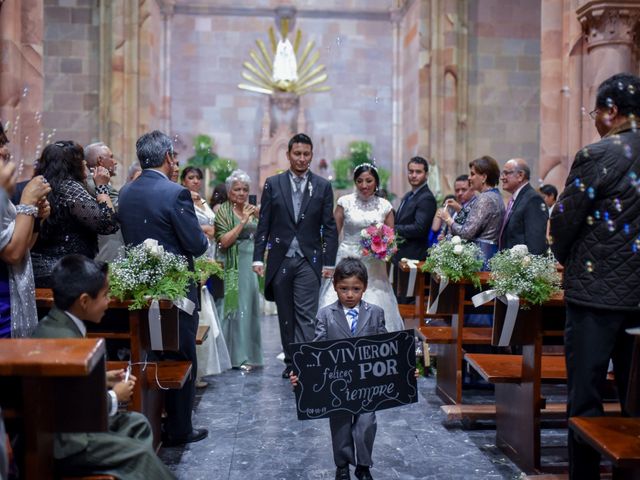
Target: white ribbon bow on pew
(513, 305)
(413, 273)
(155, 325)
(433, 307)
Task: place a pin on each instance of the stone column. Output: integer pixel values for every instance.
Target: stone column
(610, 29)
(22, 77)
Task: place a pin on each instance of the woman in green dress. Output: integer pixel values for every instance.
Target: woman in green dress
(235, 226)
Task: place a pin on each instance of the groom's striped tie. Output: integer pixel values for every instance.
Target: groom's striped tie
(353, 315)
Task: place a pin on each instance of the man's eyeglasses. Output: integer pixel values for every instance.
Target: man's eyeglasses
(506, 173)
(593, 113)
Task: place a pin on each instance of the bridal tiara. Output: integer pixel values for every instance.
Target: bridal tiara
(373, 167)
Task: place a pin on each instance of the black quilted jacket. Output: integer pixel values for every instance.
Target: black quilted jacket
(595, 226)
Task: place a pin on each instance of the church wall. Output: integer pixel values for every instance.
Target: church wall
(504, 80)
(71, 82)
(207, 53)
(151, 99)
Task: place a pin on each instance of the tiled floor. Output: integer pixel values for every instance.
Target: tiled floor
(254, 434)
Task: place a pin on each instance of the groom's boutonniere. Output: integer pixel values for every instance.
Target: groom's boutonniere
(310, 189)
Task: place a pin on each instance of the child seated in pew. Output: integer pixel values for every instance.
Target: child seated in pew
(81, 294)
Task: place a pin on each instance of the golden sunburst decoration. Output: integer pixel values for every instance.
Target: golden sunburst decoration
(283, 67)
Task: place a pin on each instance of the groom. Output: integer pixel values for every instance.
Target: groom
(298, 232)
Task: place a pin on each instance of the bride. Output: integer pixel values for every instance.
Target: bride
(354, 212)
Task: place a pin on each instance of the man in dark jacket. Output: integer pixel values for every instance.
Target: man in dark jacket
(413, 221)
(155, 207)
(525, 221)
(595, 228)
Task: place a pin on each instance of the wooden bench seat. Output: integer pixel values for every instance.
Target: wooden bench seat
(202, 334)
(444, 335)
(618, 439)
(171, 374)
(508, 368)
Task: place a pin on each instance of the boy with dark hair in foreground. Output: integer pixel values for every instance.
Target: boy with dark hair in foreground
(352, 436)
(81, 294)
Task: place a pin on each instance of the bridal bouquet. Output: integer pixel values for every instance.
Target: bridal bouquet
(379, 241)
(533, 278)
(455, 260)
(147, 271)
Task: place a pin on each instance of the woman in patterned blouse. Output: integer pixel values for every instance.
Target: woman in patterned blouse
(484, 220)
(76, 217)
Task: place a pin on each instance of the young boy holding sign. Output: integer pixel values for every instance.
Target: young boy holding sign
(351, 435)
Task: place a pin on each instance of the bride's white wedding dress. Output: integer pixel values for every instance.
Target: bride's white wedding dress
(358, 214)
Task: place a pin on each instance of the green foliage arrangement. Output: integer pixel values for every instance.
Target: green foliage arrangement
(205, 157)
(359, 152)
(455, 259)
(533, 278)
(206, 267)
(146, 272)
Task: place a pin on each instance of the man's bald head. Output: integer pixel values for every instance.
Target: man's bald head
(99, 154)
(516, 172)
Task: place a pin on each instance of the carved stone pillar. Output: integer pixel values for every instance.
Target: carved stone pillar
(611, 36)
(22, 78)
(119, 44)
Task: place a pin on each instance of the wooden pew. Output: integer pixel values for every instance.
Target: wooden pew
(518, 379)
(617, 439)
(453, 303)
(131, 326)
(52, 385)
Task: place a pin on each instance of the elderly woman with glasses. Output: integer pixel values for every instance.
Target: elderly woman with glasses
(235, 227)
(18, 315)
(76, 217)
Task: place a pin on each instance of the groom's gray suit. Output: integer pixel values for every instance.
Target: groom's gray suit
(351, 435)
(294, 268)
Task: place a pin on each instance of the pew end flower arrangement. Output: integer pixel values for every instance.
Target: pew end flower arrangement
(378, 241)
(532, 278)
(454, 259)
(148, 272)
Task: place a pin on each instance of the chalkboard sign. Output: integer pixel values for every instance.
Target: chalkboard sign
(355, 375)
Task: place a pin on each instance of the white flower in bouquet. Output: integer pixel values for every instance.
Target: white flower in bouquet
(526, 261)
(456, 240)
(154, 247)
(521, 250)
(458, 249)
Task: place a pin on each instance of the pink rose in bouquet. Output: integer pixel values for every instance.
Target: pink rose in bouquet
(379, 241)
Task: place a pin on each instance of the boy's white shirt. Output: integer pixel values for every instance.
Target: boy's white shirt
(349, 318)
(83, 330)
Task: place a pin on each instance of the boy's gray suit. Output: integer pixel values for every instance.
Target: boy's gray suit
(351, 435)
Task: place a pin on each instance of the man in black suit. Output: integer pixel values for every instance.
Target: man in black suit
(413, 222)
(525, 221)
(298, 231)
(155, 207)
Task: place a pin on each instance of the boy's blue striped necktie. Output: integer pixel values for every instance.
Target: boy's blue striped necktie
(352, 313)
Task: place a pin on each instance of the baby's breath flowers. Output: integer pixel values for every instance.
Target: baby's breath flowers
(533, 278)
(146, 272)
(455, 259)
